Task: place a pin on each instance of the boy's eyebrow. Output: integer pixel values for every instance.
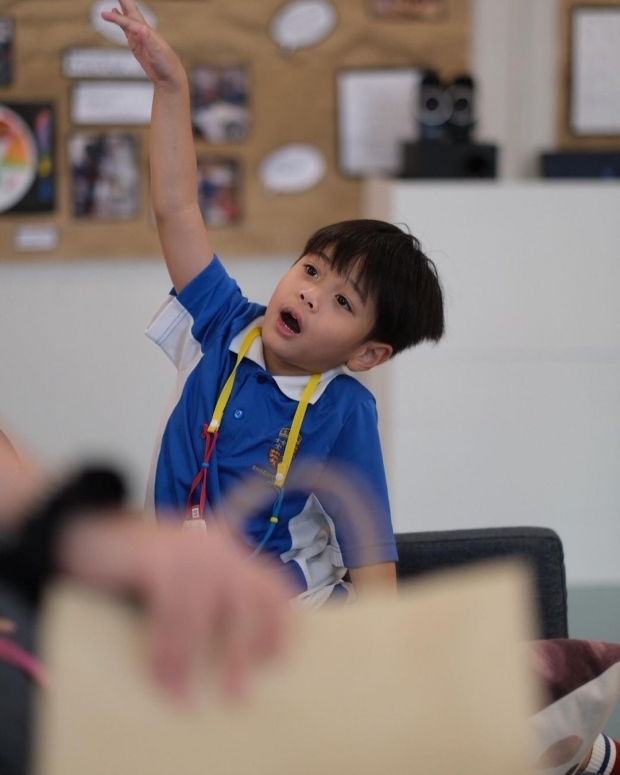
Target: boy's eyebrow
(358, 290)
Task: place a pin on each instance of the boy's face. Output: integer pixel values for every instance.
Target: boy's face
(317, 320)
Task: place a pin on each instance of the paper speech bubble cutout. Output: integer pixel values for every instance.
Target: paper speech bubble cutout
(110, 31)
(292, 168)
(303, 23)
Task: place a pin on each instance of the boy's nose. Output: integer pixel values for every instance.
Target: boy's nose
(305, 297)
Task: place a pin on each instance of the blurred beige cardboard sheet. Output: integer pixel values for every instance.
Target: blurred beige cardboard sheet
(434, 683)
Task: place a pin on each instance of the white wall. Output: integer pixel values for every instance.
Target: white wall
(77, 374)
(514, 418)
(515, 52)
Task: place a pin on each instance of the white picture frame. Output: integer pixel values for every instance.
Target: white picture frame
(594, 105)
(376, 114)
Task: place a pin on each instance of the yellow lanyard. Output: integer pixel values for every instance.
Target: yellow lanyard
(291, 442)
(228, 385)
(211, 431)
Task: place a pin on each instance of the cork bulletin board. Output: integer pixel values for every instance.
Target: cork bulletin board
(291, 97)
(589, 75)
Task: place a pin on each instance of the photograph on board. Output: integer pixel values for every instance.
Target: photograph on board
(219, 190)
(219, 100)
(105, 178)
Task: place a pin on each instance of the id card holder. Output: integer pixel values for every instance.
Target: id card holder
(195, 522)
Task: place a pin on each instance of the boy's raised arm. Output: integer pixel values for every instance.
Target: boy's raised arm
(174, 178)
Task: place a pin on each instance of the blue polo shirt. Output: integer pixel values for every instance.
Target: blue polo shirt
(201, 330)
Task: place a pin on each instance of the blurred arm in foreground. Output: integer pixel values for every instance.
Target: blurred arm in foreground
(201, 593)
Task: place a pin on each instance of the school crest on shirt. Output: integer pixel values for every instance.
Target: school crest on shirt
(276, 452)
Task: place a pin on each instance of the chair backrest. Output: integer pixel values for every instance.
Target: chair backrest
(542, 548)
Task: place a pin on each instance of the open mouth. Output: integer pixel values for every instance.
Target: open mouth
(290, 321)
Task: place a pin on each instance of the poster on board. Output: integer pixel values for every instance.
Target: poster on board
(219, 190)
(376, 113)
(105, 178)
(219, 103)
(27, 163)
(595, 71)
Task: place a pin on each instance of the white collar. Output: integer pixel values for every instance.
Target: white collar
(292, 387)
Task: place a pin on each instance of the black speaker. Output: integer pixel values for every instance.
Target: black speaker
(433, 159)
(581, 164)
(446, 111)
(435, 107)
(463, 117)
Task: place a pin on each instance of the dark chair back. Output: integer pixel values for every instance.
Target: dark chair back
(540, 547)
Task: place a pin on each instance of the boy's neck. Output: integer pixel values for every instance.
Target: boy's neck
(279, 368)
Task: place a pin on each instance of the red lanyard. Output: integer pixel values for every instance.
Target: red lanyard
(195, 513)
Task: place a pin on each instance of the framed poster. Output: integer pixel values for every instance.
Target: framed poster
(594, 101)
(27, 163)
(104, 175)
(219, 190)
(376, 113)
(219, 103)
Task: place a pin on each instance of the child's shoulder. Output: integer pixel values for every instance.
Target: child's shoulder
(349, 391)
(352, 409)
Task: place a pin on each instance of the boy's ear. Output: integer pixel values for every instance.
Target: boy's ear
(369, 356)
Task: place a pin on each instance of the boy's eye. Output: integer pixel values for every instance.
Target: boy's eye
(311, 270)
(342, 300)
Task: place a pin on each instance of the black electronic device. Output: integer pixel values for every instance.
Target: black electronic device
(581, 164)
(463, 117)
(435, 159)
(434, 107)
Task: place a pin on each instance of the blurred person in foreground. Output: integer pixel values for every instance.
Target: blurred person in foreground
(202, 595)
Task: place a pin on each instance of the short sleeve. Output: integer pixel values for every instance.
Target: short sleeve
(209, 307)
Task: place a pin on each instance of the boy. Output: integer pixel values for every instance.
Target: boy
(361, 292)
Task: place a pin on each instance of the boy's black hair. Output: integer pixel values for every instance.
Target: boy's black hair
(390, 269)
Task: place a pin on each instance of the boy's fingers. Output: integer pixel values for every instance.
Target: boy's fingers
(116, 17)
(131, 9)
(124, 22)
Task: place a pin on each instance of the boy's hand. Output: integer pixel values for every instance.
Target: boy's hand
(157, 58)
